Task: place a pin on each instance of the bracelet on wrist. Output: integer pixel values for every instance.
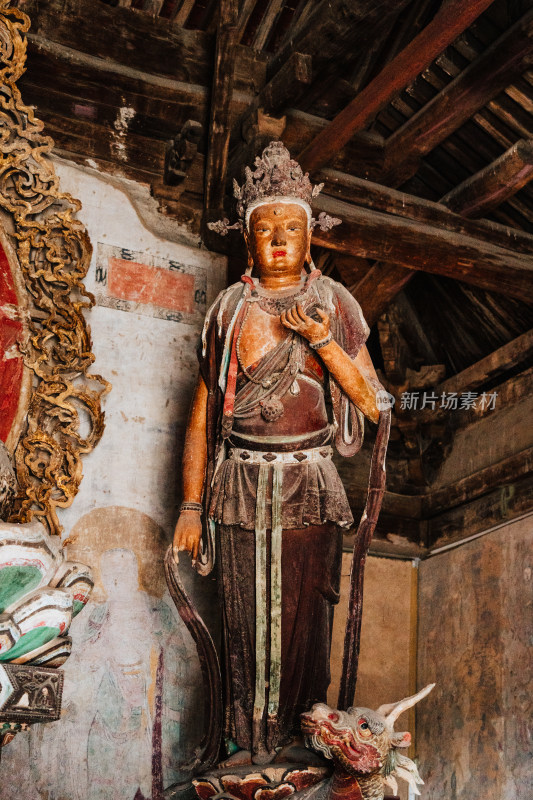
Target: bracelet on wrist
(190, 506)
(322, 342)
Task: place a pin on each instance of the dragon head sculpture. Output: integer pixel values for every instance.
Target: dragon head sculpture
(364, 746)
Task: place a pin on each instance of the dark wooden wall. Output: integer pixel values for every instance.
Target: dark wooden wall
(475, 631)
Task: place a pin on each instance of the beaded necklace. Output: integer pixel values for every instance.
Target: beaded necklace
(275, 304)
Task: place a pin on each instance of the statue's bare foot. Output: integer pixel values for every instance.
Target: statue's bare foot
(263, 756)
(297, 753)
(238, 759)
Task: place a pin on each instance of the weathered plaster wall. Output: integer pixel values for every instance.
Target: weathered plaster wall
(387, 660)
(134, 669)
(387, 657)
(474, 734)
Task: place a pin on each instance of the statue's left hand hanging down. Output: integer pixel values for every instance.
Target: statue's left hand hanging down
(46, 354)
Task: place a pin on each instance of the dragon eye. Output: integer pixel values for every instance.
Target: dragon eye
(364, 729)
(364, 726)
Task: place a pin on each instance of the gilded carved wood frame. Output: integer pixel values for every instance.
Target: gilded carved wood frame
(59, 416)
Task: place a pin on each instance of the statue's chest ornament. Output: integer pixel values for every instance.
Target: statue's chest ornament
(271, 406)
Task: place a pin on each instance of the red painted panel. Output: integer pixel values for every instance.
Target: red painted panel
(11, 331)
(129, 280)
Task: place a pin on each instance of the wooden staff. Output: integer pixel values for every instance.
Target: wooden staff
(365, 531)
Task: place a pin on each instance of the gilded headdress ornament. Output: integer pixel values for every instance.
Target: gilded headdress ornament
(276, 178)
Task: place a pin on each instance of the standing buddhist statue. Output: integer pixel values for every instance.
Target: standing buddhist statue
(285, 378)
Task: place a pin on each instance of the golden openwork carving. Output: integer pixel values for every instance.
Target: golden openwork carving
(64, 418)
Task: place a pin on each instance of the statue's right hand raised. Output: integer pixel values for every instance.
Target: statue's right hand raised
(188, 534)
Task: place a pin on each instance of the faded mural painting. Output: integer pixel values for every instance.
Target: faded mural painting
(131, 685)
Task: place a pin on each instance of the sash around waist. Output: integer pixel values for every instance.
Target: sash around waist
(283, 443)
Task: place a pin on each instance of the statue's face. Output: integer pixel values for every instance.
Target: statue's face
(278, 238)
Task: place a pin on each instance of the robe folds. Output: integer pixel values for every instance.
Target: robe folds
(275, 531)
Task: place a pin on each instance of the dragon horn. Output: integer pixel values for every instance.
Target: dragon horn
(403, 705)
(385, 709)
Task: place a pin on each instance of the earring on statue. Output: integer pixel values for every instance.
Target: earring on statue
(250, 263)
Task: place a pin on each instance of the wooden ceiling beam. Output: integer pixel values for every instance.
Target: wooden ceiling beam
(449, 22)
(484, 508)
(383, 281)
(476, 196)
(378, 288)
(219, 120)
(88, 92)
(377, 197)
(496, 68)
(136, 41)
(351, 269)
(492, 186)
(422, 246)
(492, 366)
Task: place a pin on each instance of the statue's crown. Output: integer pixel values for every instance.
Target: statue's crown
(276, 177)
(276, 174)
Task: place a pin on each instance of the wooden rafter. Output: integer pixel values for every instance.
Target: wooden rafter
(500, 361)
(265, 26)
(182, 11)
(450, 21)
(335, 29)
(496, 68)
(490, 187)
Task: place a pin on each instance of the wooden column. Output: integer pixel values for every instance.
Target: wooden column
(221, 93)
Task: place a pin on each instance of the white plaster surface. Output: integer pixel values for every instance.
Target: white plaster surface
(151, 364)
